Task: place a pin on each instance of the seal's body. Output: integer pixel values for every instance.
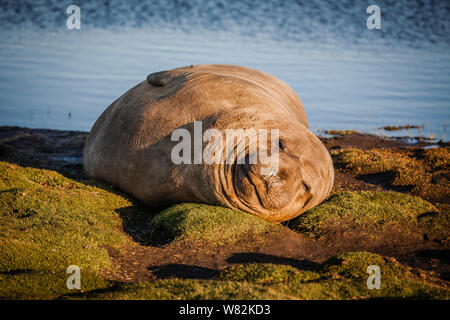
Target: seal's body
(130, 145)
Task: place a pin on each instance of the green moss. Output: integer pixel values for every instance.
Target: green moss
(208, 223)
(266, 273)
(48, 222)
(31, 284)
(171, 289)
(373, 210)
(353, 265)
(397, 281)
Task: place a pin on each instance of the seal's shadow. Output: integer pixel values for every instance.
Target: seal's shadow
(136, 220)
(255, 257)
(188, 271)
(184, 271)
(385, 179)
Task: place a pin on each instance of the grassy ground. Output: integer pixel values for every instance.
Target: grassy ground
(421, 172)
(342, 277)
(49, 221)
(374, 211)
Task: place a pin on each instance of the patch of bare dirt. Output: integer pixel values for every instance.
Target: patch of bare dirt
(201, 260)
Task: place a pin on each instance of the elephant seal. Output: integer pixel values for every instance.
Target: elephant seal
(131, 144)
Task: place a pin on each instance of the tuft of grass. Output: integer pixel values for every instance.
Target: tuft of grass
(397, 128)
(49, 222)
(436, 158)
(341, 132)
(374, 210)
(218, 225)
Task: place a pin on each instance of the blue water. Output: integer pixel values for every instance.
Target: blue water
(347, 76)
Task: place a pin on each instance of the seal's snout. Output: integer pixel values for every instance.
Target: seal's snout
(273, 187)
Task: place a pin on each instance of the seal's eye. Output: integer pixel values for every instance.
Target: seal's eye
(306, 186)
(281, 145)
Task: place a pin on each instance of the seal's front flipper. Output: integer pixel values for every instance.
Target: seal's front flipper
(163, 78)
(159, 79)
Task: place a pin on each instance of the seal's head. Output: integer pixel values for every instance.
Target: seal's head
(285, 186)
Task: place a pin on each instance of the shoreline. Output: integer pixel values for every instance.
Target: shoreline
(61, 150)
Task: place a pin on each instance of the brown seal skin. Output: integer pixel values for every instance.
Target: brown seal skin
(130, 144)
